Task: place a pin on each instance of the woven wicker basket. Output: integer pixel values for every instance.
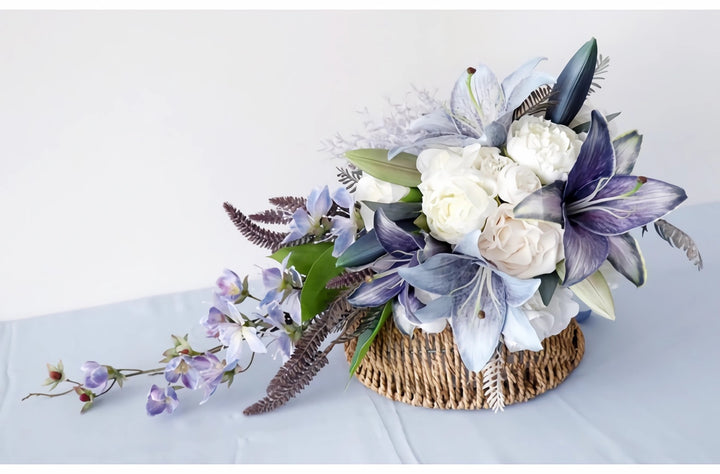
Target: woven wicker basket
(427, 371)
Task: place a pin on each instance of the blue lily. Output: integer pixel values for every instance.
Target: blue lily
(597, 207)
(481, 108)
(402, 250)
(481, 302)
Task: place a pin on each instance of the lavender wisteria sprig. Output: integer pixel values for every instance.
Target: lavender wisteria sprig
(486, 216)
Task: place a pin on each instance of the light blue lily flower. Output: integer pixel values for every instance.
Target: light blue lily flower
(481, 109)
(481, 302)
(310, 221)
(597, 207)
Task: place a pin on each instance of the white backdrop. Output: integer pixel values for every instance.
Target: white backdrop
(122, 133)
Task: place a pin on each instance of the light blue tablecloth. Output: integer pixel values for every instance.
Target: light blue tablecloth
(646, 390)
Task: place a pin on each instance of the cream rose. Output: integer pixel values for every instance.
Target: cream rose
(515, 182)
(523, 248)
(454, 206)
(372, 189)
(548, 149)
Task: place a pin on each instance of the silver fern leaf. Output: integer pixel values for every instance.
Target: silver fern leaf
(537, 102)
(493, 374)
(603, 63)
(677, 238)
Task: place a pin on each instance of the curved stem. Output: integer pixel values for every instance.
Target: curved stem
(49, 395)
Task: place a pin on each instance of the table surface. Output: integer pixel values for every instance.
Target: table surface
(645, 392)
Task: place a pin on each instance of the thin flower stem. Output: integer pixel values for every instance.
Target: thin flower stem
(49, 395)
(252, 358)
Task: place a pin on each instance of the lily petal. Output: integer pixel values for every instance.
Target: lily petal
(627, 149)
(517, 291)
(487, 93)
(392, 237)
(545, 204)
(617, 208)
(319, 202)
(595, 161)
(462, 108)
(585, 251)
(515, 78)
(518, 333)
(377, 292)
(441, 273)
(439, 308)
(626, 258)
(477, 334)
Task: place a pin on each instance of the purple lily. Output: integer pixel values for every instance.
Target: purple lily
(480, 302)
(597, 207)
(159, 400)
(96, 375)
(402, 250)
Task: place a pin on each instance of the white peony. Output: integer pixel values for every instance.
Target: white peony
(515, 182)
(482, 163)
(548, 149)
(523, 248)
(455, 206)
(551, 319)
(375, 190)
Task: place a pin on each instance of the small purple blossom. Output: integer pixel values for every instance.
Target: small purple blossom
(277, 318)
(160, 400)
(310, 221)
(283, 285)
(181, 367)
(211, 371)
(232, 335)
(212, 320)
(96, 375)
(229, 286)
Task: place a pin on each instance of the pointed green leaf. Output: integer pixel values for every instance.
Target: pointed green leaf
(367, 337)
(302, 257)
(414, 195)
(573, 84)
(400, 170)
(627, 149)
(585, 126)
(314, 297)
(396, 211)
(593, 291)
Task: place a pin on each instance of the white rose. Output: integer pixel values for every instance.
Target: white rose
(523, 248)
(553, 318)
(375, 190)
(515, 182)
(454, 206)
(550, 150)
(486, 163)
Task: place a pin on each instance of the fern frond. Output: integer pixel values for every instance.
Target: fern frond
(537, 102)
(347, 279)
(354, 326)
(677, 238)
(306, 360)
(272, 216)
(349, 177)
(601, 67)
(288, 203)
(493, 374)
(254, 233)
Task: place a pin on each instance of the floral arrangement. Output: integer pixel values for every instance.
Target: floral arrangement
(491, 214)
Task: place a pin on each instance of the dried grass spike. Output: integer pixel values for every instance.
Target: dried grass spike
(288, 203)
(254, 233)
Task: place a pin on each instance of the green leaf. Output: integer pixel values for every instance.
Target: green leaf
(302, 256)
(548, 285)
(367, 337)
(414, 195)
(573, 85)
(314, 297)
(421, 223)
(400, 170)
(593, 291)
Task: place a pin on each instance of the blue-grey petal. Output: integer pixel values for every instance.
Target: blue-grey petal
(441, 273)
(319, 202)
(477, 333)
(596, 160)
(515, 78)
(627, 150)
(377, 292)
(469, 246)
(439, 308)
(626, 258)
(517, 291)
(585, 251)
(392, 237)
(463, 109)
(545, 204)
(619, 207)
(518, 333)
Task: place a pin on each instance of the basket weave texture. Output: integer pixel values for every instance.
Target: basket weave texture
(426, 370)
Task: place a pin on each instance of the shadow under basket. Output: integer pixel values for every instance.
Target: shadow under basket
(427, 370)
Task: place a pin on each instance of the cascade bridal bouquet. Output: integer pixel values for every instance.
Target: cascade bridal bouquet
(489, 218)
